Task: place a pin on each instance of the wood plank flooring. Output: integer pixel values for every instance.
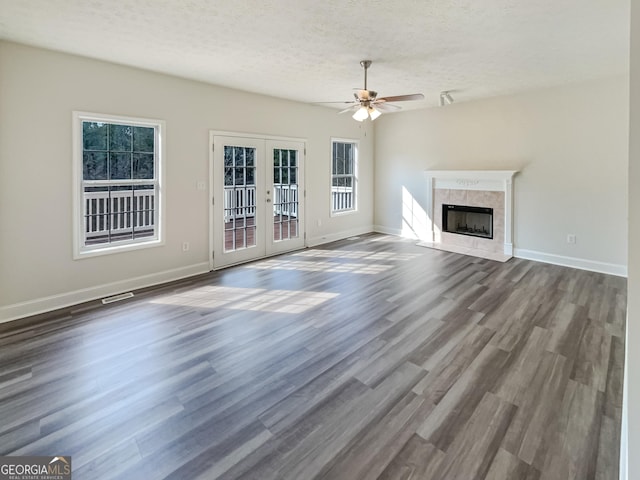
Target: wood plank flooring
(363, 359)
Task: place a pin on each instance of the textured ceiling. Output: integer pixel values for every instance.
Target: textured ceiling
(309, 50)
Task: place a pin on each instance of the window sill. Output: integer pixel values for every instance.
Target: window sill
(341, 213)
(113, 249)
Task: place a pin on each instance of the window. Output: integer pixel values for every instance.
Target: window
(344, 175)
(117, 171)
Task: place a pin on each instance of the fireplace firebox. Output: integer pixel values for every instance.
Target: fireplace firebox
(467, 220)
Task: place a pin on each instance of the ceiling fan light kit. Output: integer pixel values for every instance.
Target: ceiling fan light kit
(368, 105)
(363, 112)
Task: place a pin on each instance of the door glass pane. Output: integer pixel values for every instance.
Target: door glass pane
(239, 198)
(239, 180)
(251, 176)
(250, 157)
(285, 195)
(228, 156)
(238, 155)
(228, 177)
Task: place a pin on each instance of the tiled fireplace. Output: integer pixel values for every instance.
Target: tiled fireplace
(471, 212)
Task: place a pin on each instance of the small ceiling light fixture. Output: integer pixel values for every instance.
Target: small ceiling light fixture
(445, 98)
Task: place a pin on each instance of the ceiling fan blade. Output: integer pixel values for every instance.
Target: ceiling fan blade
(402, 98)
(348, 109)
(383, 107)
(339, 101)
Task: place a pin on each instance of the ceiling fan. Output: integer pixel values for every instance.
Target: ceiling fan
(368, 104)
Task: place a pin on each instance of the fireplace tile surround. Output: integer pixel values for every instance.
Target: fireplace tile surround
(477, 188)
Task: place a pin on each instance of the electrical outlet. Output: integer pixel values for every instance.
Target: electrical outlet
(571, 238)
(185, 246)
(319, 222)
(201, 186)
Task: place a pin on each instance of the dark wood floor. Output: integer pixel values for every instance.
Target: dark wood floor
(364, 359)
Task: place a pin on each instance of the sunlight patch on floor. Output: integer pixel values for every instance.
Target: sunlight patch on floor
(256, 299)
(332, 267)
(350, 254)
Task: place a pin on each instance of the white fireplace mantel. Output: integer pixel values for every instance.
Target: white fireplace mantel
(482, 180)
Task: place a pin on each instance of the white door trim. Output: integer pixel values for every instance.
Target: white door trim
(222, 133)
(257, 136)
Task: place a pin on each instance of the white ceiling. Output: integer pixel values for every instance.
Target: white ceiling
(309, 50)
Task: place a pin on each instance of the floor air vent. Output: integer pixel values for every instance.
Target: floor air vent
(117, 298)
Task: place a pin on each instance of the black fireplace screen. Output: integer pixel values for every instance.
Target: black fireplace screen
(465, 220)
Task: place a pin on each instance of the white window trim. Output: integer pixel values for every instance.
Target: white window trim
(79, 249)
(351, 211)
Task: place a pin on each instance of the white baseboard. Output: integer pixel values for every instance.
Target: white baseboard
(396, 231)
(54, 302)
(508, 249)
(313, 242)
(580, 263)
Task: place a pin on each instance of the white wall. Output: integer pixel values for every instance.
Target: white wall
(38, 91)
(631, 412)
(570, 144)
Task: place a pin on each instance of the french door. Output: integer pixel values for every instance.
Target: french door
(258, 198)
